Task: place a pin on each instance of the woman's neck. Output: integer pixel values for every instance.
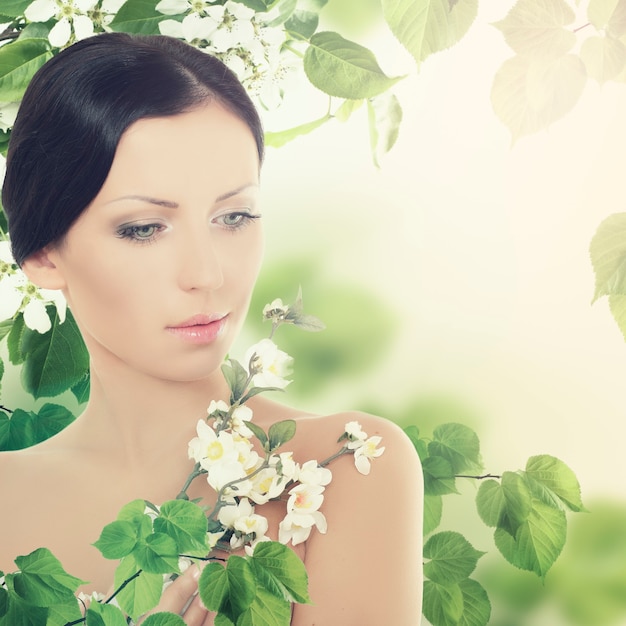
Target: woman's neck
(137, 419)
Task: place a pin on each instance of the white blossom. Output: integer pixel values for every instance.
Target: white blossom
(311, 474)
(18, 294)
(241, 518)
(270, 365)
(367, 451)
(72, 16)
(302, 514)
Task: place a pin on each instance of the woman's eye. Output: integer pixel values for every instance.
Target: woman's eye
(236, 220)
(142, 233)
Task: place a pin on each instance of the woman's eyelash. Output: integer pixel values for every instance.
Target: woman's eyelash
(237, 219)
(140, 233)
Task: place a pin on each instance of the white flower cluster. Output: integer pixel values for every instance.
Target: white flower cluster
(17, 294)
(244, 479)
(239, 36)
(75, 19)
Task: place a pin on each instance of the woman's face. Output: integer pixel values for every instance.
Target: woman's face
(159, 269)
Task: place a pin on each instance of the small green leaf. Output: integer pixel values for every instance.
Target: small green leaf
(343, 68)
(19, 60)
(13, 8)
(305, 19)
(258, 432)
(280, 433)
(442, 604)
(229, 590)
(278, 568)
(99, 614)
(385, 115)
(50, 420)
(57, 359)
(538, 540)
(14, 340)
(157, 554)
(17, 431)
(61, 614)
(490, 502)
(347, 108)
(278, 139)
(608, 16)
(260, 6)
(117, 539)
(81, 389)
(536, 27)
(433, 509)
(517, 502)
(42, 580)
(5, 328)
(476, 605)
(163, 619)
(142, 593)
(438, 476)
(266, 610)
(236, 377)
(429, 26)
(452, 558)
(421, 446)
(138, 16)
(604, 58)
(555, 476)
(529, 93)
(186, 523)
(458, 444)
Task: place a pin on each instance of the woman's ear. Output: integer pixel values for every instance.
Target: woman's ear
(42, 270)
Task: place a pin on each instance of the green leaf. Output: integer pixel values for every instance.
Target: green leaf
(236, 377)
(5, 328)
(429, 26)
(21, 613)
(421, 446)
(222, 620)
(266, 610)
(343, 68)
(347, 108)
(603, 57)
(99, 614)
(476, 605)
(142, 593)
(61, 614)
(229, 590)
(385, 115)
(280, 433)
(442, 604)
(280, 571)
(258, 432)
(608, 256)
(42, 580)
(260, 6)
(538, 540)
(157, 554)
(278, 139)
(438, 476)
(138, 16)
(517, 503)
(536, 27)
(81, 389)
(117, 539)
(529, 94)
(186, 523)
(305, 19)
(13, 8)
(16, 430)
(50, 420)
(609, 16)
(57, 359)
(163, 619)
(556, 477)
(19, 61)
(36, 30)
(452, 558)
(458, 444)
(14, 340)
(433, 509)
(490, 502)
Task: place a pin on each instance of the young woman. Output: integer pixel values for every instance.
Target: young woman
(132, 185)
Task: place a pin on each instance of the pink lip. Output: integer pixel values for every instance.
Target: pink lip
(200, 329)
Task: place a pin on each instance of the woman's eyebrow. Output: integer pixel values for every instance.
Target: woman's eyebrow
(174, 205)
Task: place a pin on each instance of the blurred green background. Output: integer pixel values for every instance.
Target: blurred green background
(456, 286)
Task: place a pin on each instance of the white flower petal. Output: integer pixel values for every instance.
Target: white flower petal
(35, 316)
(172, 7)
(40, 10)
(112, 6)
(85, 5)
(60, 33)
(83, 27)
(10, 299)
(171, 28)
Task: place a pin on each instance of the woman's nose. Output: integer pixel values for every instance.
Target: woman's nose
(200, 265)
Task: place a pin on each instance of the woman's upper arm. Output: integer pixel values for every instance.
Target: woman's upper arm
(367, 569)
